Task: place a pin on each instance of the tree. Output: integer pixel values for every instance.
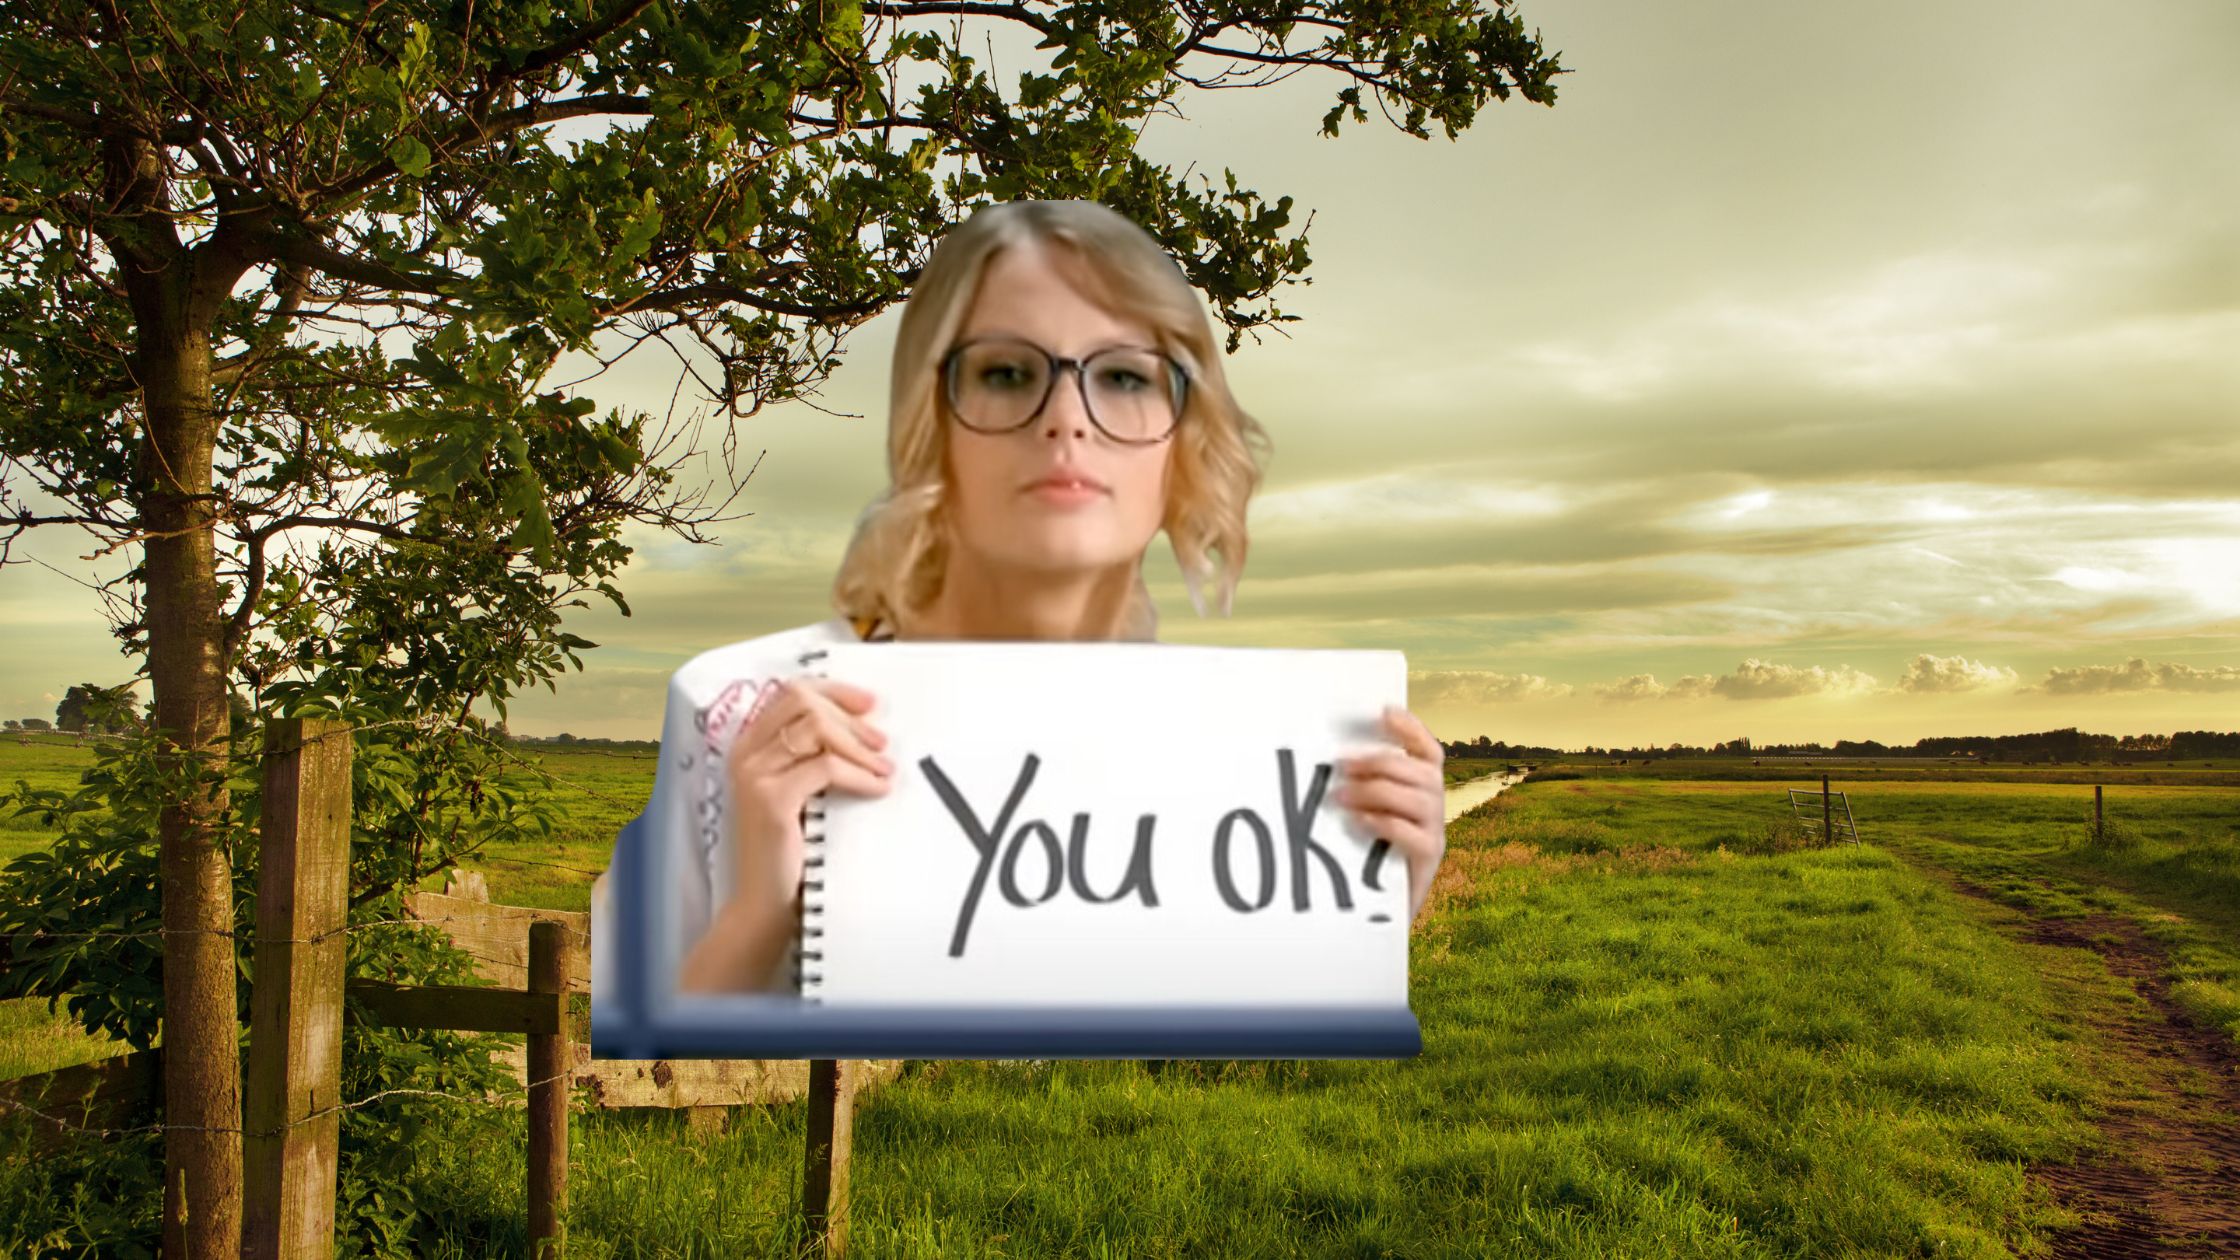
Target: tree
(84, 706)
(70, 714)
(280, 271)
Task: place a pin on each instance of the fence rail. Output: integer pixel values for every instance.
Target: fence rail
(1831, 824)
(119, 1094)
(291, 1088)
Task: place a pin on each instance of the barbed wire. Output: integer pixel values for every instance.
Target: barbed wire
(40, 934)
(558, 866)
(489, 1098)
(423, 722)
(505, 1099)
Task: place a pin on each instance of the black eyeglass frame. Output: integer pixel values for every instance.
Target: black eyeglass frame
(1178, 385)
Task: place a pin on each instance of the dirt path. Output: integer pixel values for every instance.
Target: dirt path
(2167, 1182)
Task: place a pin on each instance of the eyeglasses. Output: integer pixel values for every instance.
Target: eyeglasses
(1132, 394)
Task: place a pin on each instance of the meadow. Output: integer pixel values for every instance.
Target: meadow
(1656, 1022)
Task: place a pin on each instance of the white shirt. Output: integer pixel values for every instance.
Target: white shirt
(710, 699)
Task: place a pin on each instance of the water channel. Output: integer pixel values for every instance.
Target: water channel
(1464, 797)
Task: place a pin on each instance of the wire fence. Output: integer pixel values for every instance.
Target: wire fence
(507, 1100)
(439, 725)
(121, 1090)
(41, 934)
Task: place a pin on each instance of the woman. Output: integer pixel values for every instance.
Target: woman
(1057, 400)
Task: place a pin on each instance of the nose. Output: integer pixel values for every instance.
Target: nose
(1065, 412)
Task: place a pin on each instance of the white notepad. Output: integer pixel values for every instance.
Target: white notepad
(915, 897)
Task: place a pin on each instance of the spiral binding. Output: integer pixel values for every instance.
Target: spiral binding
(808, 945)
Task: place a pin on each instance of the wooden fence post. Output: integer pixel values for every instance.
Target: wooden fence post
(551, 1064)
(2099, 822)
(292, 1125)
(824, 1182)
(1827, 814)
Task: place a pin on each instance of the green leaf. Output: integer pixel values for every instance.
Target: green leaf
(411, 156)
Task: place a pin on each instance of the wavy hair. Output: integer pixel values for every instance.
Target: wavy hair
(896, 561)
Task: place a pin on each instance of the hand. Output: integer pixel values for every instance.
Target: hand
(809, 737)
(1400, 795)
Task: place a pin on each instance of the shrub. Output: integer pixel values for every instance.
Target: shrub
(1777, 835)
(2110, 833)
(80, 919)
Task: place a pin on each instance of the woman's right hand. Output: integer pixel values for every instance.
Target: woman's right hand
(772, 780)
(810, 737)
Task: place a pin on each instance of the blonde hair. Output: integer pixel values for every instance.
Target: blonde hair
(897, 559)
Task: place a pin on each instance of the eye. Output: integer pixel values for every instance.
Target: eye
(1003, 376)
(1124, 379)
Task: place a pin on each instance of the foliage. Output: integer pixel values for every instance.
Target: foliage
(1781, 835)
(91, 1196)
(2111, 833)
(268, 268)
(81, 919)
(397, 218)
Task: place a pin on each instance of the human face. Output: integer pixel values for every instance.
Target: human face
(1003, 518)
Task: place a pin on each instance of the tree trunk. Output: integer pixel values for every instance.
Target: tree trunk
(186, 635)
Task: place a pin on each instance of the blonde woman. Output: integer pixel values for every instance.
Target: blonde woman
(1057, 400)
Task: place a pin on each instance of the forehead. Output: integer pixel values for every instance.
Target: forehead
(1036, 291)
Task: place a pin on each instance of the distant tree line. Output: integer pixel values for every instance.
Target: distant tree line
(1486, 747)
(2066, 744)
(92, 709)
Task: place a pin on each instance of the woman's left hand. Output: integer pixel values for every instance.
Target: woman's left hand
(1400, 795)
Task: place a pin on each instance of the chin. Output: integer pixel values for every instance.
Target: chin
(1060, 558)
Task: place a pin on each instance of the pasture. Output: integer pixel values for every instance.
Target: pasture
(1655, 1023)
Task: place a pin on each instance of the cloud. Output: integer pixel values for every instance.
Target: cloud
(1479, 686)
(1752, 680)
(1931, 675)
(1631, 687)
(2137, 674)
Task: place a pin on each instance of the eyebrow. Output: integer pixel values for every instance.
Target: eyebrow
(1000, 334)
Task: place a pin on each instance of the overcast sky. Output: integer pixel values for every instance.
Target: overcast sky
(1807, 372)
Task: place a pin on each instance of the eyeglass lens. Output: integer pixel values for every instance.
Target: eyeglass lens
(999, 385)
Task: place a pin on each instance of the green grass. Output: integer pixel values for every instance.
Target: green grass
(593, 793)
(1465, 769)
(2223, 772)
(1646, 1033)
(34, 1040)
(1635, 1044)
(39, 761)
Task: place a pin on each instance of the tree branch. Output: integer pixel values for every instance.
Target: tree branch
(545, 58)
(311, 255)
(693, 295)
(397, 533)
(958, 8)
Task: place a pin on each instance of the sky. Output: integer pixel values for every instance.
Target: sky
(1806, 372)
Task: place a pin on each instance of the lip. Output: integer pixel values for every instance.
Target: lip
(1067, 482)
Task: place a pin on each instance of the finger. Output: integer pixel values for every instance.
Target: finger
(1385, 796)
(852, 737)
(796, 696)
(832, 772)
(1404, 834)
(1414, 735)
(1391, 764)
(798, 703)
(848, 696)
(845, 708)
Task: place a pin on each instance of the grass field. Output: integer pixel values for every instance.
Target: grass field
(1651, 1027)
